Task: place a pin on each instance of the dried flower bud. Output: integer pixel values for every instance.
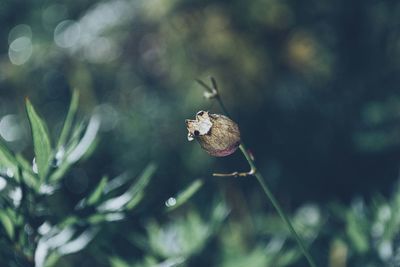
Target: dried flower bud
(217, 134)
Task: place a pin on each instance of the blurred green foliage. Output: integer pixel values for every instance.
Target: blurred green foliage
(312, 84)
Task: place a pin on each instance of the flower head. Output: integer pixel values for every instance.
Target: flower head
(217, 134)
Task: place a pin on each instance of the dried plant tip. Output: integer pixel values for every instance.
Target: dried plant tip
(216, 134)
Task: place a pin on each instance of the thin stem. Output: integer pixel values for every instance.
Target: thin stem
(254, 171)
(221, 104)
(277, 206)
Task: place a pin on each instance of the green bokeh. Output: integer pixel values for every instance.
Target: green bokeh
(313, 85)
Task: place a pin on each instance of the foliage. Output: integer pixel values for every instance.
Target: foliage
(371, 236)
(36, 233)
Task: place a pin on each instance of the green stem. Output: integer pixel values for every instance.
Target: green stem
(276, 205)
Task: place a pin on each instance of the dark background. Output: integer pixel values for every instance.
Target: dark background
(312, 84)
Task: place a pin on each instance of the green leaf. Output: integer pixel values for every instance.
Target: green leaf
(11, 213)
(28, 176)
(357, 233)
(41, 141)
(117, 182)
(24, 164)
(60, 172)
(69, 119)
(77, 132)
(68, 221)
(144, 179)
(78, 243)
(184, 196)
(89, 152)
(97, 218)
(6, 156)
(65, 164)
(117, 262)
(98, 192)
(105, 217)
(7, 160)
(132, 196)
(73, 143)
(7, 224)
(135, 200)
(86, 142)
(52, 259)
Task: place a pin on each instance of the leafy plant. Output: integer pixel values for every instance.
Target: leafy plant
(34, 234)
(371, 232)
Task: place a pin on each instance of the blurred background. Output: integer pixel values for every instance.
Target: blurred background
(313, 85)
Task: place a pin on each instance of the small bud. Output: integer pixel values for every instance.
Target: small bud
(216, 134)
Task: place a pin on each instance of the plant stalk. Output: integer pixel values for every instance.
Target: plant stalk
(276, 205)
(214, 93)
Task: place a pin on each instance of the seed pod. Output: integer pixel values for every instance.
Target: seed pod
(216, 134)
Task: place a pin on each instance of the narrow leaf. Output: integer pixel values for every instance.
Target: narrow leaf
(41, 252)
(7, 224)
(87, 140)
(78, 243)
(41, 141)
(52, 259)
(24, 164)
(96, 218)
(184, 196)
(8, 163)
(98, 192)
(143, 179)
(132, 194)
(117, 182)
(71, 151)
(60, 172)
(7, 158)
(357, 233)
(117, 262)
(69, 119)
(28, 176)
(65, 164)
(135, 200)
(68, 222)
